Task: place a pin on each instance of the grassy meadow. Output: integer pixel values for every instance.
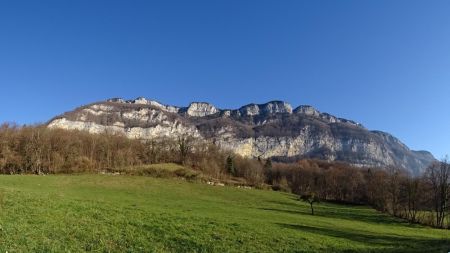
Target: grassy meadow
(118, 213)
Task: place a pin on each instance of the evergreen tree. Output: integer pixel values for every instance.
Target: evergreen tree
(230, 166)
(268, 171)
(268, 164)
(259, 159)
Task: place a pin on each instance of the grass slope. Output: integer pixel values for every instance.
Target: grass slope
(141, 214)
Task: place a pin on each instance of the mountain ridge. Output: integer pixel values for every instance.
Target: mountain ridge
(272, 129)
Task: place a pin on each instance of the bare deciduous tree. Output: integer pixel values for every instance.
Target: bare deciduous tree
(438, 175)
(310, 198)
(184, 147)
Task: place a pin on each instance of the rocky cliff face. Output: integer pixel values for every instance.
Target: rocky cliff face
(273, 129)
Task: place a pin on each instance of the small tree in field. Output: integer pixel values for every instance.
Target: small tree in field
(310, 198)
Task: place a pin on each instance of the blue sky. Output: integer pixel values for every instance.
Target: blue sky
(385, 64)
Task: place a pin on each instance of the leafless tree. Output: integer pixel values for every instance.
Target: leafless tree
(310, 198)
(438, 175)
(411, 197)
(184, 147)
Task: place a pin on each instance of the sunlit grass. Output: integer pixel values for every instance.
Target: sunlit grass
(136, 214)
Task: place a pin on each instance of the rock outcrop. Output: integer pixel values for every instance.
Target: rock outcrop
(200, 109)
(273, 129)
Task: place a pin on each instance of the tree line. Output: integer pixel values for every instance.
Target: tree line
(40, 150)
(424, 199)
(419, 199)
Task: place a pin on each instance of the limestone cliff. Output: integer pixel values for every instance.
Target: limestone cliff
(273, 129)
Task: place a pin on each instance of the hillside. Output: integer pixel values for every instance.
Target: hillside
(125, 213)
(274, 129)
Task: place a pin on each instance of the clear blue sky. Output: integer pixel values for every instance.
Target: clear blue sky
(385, 64)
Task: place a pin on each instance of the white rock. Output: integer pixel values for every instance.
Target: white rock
(200, 109)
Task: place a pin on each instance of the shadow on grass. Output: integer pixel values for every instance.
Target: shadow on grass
(300, 212)
(363, 216)
(376, 218)
(379, 242)
(346, 212)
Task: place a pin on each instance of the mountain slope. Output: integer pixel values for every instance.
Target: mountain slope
(273, 129)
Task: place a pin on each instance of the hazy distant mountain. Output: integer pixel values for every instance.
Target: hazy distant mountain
(273, 129)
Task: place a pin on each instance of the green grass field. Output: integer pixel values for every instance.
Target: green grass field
(106, 213)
